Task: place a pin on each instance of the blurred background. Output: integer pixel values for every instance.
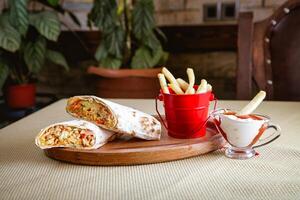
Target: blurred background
(63, 59)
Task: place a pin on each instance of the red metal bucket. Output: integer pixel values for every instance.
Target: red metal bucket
(186, 115)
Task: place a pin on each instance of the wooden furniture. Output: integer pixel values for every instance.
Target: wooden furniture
(136, 151)
(268, 53)
(26, 173)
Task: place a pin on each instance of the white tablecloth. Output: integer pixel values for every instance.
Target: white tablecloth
(26, 173)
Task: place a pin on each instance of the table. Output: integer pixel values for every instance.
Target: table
(26, 173)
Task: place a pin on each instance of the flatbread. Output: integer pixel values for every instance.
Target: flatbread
(77, 134)
(114, 117)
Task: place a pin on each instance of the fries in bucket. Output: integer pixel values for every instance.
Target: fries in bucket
(202, 87)
(176, 88)
(180, 86)
(172, 80)
(184, 85)
(186, 111)
(191, 76)
(163, 83)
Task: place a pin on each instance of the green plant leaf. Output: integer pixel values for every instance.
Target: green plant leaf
(47, 24)
(53, 2)
(110, 62)
(109, 52)
(114, 41)
(103, 14)
(164, 58)
(57, 58)
(143, 18)
(4, 71)
(101, 52)
(34, 54)
(143, 58)
(18, 15)
(151, 41)
(157, 57)
(10, 38)
(150, 51)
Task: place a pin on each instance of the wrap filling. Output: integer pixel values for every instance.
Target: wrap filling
(91, 110)
(68, 136)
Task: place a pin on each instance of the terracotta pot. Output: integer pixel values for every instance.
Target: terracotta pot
(20, 96)
(126, 83)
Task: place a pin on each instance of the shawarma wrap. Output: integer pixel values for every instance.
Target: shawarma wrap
(114, 117)
(77, 134)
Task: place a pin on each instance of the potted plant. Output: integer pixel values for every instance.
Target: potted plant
(129, 49)
(24, 41)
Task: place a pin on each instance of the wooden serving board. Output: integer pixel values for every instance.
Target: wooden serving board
(137, 151)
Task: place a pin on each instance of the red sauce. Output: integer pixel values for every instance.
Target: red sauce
(255, 117)
(260, 132)
(82, 136)
(220, 130)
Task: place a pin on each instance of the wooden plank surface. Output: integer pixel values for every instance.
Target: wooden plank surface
(244, 69)
(136, 151)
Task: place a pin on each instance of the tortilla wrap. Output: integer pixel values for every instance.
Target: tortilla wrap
(115, 117)
(77, 134)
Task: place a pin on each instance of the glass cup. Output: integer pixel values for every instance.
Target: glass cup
(244, 131)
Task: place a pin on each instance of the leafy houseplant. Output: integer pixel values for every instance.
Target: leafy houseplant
(24, 39)
(129, 40)
(129, 34)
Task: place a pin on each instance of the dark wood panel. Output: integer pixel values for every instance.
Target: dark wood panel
(201, 38)
(81, 45)
(244, 69)
(275, 48)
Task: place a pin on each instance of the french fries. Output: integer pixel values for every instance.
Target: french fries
(169, 75)
(176, 88)
(184, 85)
(202, 87)
(172, 80)
(209, 87)
(163, 83)
(191, 76)
(179, 86)
(253, 104)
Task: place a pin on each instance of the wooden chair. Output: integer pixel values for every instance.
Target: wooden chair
(269, 54)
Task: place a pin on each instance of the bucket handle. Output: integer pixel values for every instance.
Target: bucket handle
(160, 97)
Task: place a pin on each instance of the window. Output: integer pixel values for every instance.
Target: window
(228, 11)
(210, 12)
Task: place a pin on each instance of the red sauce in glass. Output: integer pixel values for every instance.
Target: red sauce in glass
(254, 117)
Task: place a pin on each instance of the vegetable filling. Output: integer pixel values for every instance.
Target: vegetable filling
(92, 111)
(68, 136)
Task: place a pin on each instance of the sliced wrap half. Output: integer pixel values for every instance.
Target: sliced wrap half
(74, 134)
(115, 117)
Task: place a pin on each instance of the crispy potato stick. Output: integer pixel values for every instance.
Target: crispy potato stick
(168, 75)
(163, 83)
(184, 85)
(209, 87)
(202, 87)
(192, 91)
(191, 77)
(253, 104)
(171, 79)
(176, 88)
